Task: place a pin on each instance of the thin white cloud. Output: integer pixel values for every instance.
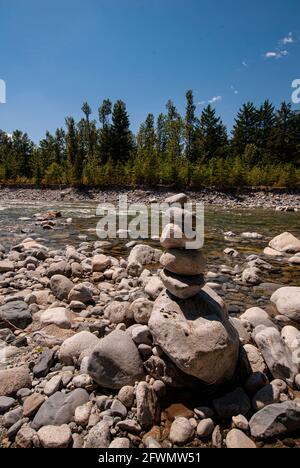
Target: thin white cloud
(245, 64)
(210, 101)
(215, 99)
(277, 55)
(271, 54)
(234, 89)
(289, 39)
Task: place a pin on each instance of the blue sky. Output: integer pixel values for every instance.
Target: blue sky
(55, 54)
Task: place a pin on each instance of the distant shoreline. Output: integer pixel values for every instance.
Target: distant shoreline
(261, 197)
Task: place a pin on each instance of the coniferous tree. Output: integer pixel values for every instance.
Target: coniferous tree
(121, 138)
(87, 112)
(266, 126)
(212, 137)
(174, 131)
(105, 148)
(245, 129)
(21, 155)
(285, 139)
(161, 135)
(73, 158)
(189, 126)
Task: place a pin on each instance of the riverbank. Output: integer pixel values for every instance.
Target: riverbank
(243, 198)
(58, 302)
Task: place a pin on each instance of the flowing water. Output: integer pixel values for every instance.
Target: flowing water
(17, 222)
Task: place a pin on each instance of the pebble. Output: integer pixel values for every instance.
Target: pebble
(181, 431)
(32, 404)
(205, 428)
(53, 385)
(55, 436)
(237, 439)
(240, 422)
(6, 403)
(126, 395)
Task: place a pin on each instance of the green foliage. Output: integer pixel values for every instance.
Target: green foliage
(191, 151)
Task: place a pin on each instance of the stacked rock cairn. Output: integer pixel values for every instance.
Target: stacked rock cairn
(183, 270)
(189, 321)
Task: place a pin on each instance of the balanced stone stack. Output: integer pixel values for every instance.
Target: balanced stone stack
(189, 321)
(183, 270)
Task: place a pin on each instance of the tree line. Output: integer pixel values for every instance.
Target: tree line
(193, 150)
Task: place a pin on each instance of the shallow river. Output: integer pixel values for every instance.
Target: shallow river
(17, 222)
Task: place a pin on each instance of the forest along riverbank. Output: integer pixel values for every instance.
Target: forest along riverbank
(69, 305)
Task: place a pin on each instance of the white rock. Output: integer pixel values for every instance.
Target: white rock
(55, 436)
(82, 414)
(205, 428)
(75, 345)
(59, 316)
(196, 335)
(277, 356)
(53, 385)
(291, 337)
(251, 235)
(141, 335)
(237, 439)
(287, 302)
(153, 287)
(144, 255)
(251, 276)
(295, 260)
(120, 443)
(240, 422)
(257, 316)
(285, 242)
(141, 309)
(181, 431)
(255, 359)
(99, 436)
(272, 252)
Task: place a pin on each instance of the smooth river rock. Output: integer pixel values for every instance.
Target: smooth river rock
(115, 361)
(15, 313)
(285, 242)
(183, 262)
(196, 335)
(12, 380)
(287, 302)
(276, 420)
(180, 286)
(59, 408)
(276, 355)
(75, 345)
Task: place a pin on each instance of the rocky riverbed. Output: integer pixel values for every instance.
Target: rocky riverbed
(85, 356)
(241, 198)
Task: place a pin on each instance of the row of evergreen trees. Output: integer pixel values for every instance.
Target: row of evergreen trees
(263, 149)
